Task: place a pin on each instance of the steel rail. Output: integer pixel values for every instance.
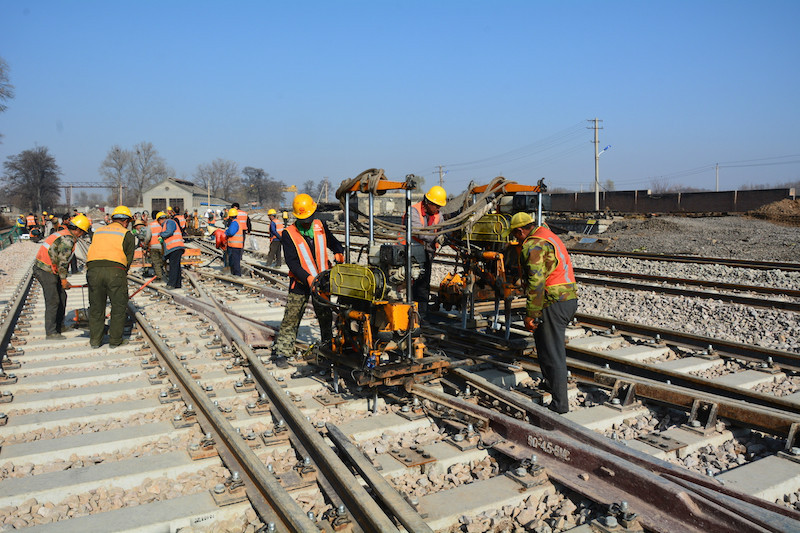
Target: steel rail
(787, 360)
(731, 499)
(10, 318)
(688, 281)
(773, 414)
(603, 477)
(407, 515)
(740, 263)
(258, 477)
(691, 293)
(360, 504)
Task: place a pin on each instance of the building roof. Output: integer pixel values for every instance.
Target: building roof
(188, 186)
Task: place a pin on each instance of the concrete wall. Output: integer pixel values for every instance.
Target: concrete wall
(642, 201)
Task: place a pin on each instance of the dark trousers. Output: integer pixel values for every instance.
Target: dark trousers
(274, 255)
(107, 283)
(421, 287)
(55, 300)
(551, 351)
(174, 258)
(235, 260)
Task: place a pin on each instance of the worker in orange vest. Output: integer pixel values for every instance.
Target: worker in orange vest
(243, 219)
(305, 248)
(180, 219)
(552, 300)
(275, 232)
(154, 249)
(52, 264)
(108, 260)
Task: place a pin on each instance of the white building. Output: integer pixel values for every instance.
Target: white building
(182, 194)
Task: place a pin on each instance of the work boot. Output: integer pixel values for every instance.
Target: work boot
(280, 361)
(123, 343)
(56, 337)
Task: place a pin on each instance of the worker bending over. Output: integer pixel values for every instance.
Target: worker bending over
(107, 263)
(52, 264)
(552, 300)
(305, 249)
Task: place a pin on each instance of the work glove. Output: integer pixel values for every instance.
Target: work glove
(339, 258)
(161, 240)
(531, 323)
(65, 284)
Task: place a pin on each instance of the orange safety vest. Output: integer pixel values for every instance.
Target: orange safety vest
(43, 254)
(422, 216)
(173, 241)
(237, 240)
(107, 244)
(155, 230)
(31, 220)
(279, 229)
(312, 263)
(563, 273)
(241, 218)
(181, 220)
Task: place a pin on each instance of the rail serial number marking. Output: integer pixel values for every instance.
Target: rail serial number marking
(548, 447)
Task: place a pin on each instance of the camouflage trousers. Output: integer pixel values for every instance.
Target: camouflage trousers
(287, 334)
(157, 260)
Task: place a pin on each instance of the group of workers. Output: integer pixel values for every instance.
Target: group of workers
(548, 276)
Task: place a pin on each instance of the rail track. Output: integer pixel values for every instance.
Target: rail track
(191, 426)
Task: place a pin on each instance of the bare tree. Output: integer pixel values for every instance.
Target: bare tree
(6, 89)
(309, 187)
(221, 176)
(146, 169)
(32, 179)
(116, 168)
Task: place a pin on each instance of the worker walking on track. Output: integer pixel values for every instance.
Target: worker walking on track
(109, 258)
(275, 231)
(423, 214)
(305, 248)
(171, 239)
(52, 264)
(243, 220)
(235, 234)
(552, 295)
(154, 248)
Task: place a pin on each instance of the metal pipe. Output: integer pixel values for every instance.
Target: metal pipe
(405, 513)
(539, 210)
(409, 281)
(347, 227)
(371, 219)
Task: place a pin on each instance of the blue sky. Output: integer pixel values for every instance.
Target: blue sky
(312, 89)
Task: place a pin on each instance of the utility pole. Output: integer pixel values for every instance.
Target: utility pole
(441, 176)
(596, 164)
(717, 175)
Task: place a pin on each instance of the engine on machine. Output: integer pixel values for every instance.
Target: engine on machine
(487, 259)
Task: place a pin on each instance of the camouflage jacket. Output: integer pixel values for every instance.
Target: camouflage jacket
(538, 259)
(60, 254)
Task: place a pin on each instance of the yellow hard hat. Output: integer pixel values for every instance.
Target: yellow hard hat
(44, 212)
(519, 220)
(437, 195)
(50, 216)
(272, 212)
(169, 208)
(233, 212)
(81, 221)
(121, 211)
(160, 215)
(303, 206)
